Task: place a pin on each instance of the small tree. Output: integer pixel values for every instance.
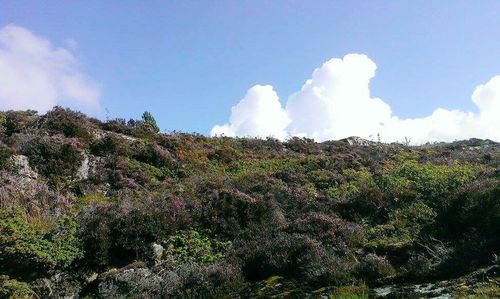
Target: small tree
(150, 120)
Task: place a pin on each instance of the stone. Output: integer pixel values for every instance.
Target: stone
(22, 167)
(157, 251)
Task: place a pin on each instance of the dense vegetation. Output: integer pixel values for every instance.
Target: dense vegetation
(109, 209)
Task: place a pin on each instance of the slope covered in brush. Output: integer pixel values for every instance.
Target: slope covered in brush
(114, 208)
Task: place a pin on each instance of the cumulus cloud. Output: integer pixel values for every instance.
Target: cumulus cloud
(36, 75)
(259, 113)
(336, 103)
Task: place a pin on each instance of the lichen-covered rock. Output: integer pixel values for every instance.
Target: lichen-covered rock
(354, 140)
(22, 167)
(157, 251)
(83, 172)
(89, 167)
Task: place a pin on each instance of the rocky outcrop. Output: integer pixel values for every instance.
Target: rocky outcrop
(22, 167)
(90, 164)
(354, 140)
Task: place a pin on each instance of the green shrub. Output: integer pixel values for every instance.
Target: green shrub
(11, 288)
(403, 226)
(28, 248)
(191, 246)
(432, 183)
(119, 233)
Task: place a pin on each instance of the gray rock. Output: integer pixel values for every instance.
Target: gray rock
(157, 251)
(354, 140)
(22, 167)
(83, 172)
(89, 166)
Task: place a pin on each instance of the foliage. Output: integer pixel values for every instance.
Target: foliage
(69, 123)
(235, 217)
(148, 119)
(20, 121)
(191, 246)
(27, 248)
(56, 157)
(11, 288)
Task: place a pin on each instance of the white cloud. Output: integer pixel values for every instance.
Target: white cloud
(336, 103)
(36, 75)
(259, 113)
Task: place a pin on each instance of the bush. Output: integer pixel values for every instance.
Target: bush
(11, 288)
(70, 123)
(34, 197)
(431, 183)
(294, 256)
(403, 227)
(55, 157)
(153, 154)
(122, 232)
(373, 267)
(130, 173)
(190, 246)
(27, 248)
(110, 145)
(21, 122)
(5, 154)
(193, 280)
(118, 125)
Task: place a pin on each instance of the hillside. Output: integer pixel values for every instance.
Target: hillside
(113, 209)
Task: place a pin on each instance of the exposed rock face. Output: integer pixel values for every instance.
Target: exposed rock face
(357, 141)
(89, 166)
(22, 167)
(100, 134)
(83, 172)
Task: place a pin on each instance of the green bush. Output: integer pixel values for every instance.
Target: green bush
(432, 183)
(26, 248)
(191, 246)
(11, 288)
(402, 228)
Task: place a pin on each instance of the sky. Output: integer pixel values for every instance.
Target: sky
(423, 70)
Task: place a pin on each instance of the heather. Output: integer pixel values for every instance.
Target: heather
(113, 208)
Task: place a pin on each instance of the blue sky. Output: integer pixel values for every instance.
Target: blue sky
(189, 62)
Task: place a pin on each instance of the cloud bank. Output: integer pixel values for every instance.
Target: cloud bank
(336, 103)
(36, 75)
